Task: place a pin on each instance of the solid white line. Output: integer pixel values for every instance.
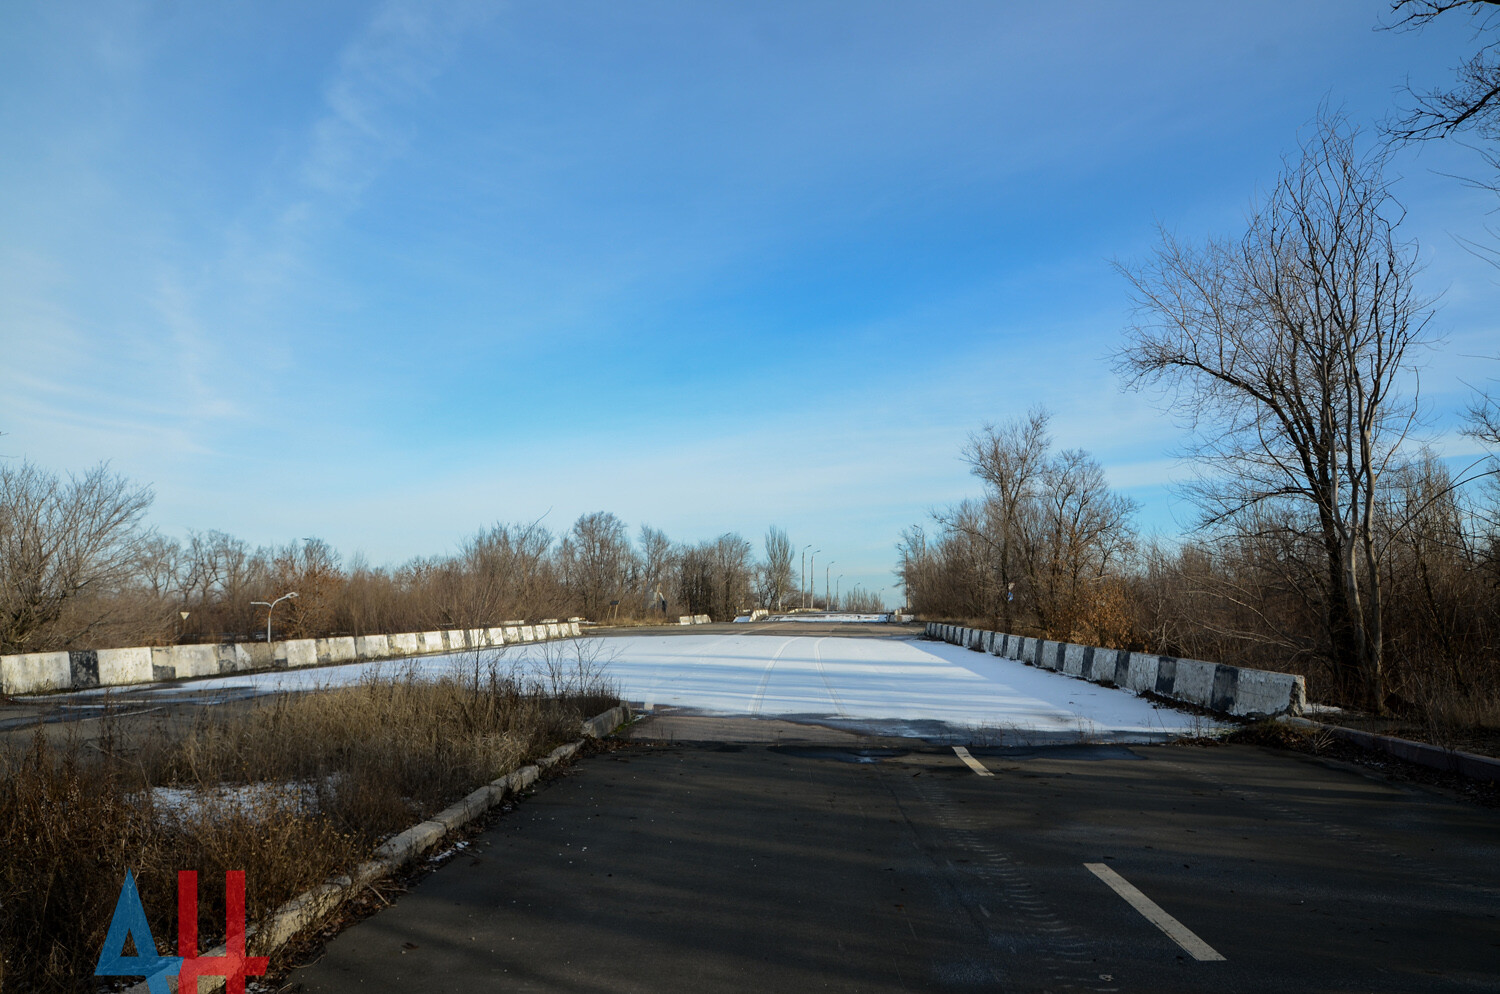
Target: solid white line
(1176, 931)
(971, 762)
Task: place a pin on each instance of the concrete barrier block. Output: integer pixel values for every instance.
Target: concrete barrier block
(431, 642)
(372, 647)
(261, 654)
(455, 640)
(573, 629)
(298, 652)
(1141, 670)
(35, 672)
(496, 636)
(113, 667)
(987, 643)
(528, 632)
(337, 650)
(163, 663)
(404, 644)
(1099, 665)
(231, 658)
(1166, 675)
(512, 633)
(1194, 682)
(479, 638)
(1070, 658)
(997, 644)
(185, 660)
(686, 619)
(1258, 692)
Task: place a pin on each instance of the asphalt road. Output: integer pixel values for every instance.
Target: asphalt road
(715, 855)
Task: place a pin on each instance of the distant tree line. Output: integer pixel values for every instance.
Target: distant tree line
(79, 568)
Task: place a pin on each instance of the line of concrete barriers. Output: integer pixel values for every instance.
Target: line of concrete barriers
(80, 669)
(1233, 690)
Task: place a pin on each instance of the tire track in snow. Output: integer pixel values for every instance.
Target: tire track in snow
(765, 678)
(838, 705)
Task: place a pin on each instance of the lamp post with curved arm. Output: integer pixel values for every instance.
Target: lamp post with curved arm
(270, 607)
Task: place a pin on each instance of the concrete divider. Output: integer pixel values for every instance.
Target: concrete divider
(30, 672)
(372, 647)
(336, 650)
(81, 669)
(1230, 690)
(172, 662)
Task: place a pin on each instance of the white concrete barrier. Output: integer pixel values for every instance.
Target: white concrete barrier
(404, 644)
(297, 652)
(431, 642)
(528, 633)
(372, 646)
(1216, 686)
(35, 672)
(332, 651)
(513, 634)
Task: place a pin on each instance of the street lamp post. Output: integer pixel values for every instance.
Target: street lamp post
(802, 580)
(812, 578)
(827, 602)
(837, 586)
(270, 607)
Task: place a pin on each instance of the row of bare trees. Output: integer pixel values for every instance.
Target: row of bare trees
(80, 568)
(1043, 549)
(1331, 541)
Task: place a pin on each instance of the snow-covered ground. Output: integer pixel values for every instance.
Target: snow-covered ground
(888, 686)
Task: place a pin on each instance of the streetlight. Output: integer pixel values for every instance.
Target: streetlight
(827, 604)
(802, 581)
(837, 585)
(270, 607)
(812, 576)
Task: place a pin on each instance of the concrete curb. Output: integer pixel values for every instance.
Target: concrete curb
(311, 907)
(1466, 764)
(1230, 690)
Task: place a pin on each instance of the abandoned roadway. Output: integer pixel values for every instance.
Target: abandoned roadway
(712, 854)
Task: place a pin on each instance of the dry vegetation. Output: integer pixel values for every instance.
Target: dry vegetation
(347, 767)
(80, 569)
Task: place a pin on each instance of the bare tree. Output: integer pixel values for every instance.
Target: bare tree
(775, 574)
(1288, 351)
(1472, 102)
(598, 560)
(656, 568)
(62, 540)
(1010, 459)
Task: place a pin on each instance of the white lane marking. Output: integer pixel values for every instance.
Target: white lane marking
(971, 762)
(1176, 931)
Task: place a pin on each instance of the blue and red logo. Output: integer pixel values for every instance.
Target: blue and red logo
(130, 923)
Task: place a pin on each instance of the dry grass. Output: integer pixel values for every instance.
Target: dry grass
(367, 760)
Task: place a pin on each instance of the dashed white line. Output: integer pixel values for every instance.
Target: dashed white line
(1176, 931)
(971, 762)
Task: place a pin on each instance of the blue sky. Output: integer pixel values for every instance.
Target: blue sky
(384, 273)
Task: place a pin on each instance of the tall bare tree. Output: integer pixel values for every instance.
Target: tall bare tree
(1010, 459)
(1288, 350)
(775, 574)
(598, 559)
(62, 540)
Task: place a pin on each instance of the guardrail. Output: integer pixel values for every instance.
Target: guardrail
(82, 669)
(1234, 690)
